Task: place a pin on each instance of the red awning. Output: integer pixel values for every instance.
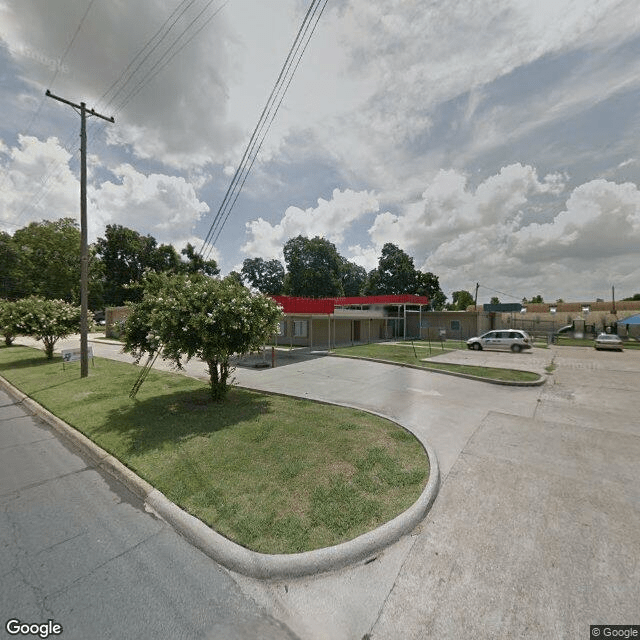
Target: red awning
(293, 304)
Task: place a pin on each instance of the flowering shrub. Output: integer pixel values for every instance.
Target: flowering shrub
(191, 315)
(47, 320)
(9, 321)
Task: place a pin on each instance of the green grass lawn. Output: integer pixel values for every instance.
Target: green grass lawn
(275, 474)
(406, 353)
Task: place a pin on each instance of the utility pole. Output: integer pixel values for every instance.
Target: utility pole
(84, 247)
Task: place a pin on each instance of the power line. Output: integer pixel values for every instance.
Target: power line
(53, 165)
(243, 169)
(56, 168)
(264, 123)
(154, 69)
(509, 295)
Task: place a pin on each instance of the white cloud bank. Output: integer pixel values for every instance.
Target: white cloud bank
(501, 232)
(38, 184)
(330, 219)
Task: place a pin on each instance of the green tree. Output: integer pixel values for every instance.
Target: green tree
(195, 263)
(495, 300)
(125, 255)
(635, 296)
(396, 274)
(313, 268)
(236, 276)
(164, 258)
(47, 320)
(184, 316)
(353, 277)
(460, 300)
(267, 276)
(49, 264)
(429, 285)
(10, 287)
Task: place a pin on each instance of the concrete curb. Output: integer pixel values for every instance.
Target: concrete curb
(224, 551)
(468, 376)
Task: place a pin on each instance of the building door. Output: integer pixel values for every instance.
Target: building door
(356, 330)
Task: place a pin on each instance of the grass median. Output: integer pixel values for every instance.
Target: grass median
(406, 353)
(274, 474)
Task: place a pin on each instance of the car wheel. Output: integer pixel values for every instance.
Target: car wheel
(477, 346)
(516, 348)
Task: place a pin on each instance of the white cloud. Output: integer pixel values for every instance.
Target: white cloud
(578, 254)
(330, 219)
(449, 207)
(37, 183)
(601, 220)
(165, 206)
(179, 116)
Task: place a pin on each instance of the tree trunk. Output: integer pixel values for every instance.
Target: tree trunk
(218, 375)
(48, 348)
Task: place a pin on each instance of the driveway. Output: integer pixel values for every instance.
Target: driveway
(536, 528)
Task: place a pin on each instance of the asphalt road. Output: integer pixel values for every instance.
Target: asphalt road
(78, 548)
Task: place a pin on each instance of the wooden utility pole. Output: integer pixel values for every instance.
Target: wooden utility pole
(84, 247)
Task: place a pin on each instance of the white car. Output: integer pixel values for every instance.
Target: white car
(513, 339)
(608, 341)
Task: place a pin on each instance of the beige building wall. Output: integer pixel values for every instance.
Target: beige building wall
(452, 325)
(113, 317)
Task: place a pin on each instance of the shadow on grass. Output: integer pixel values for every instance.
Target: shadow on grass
(36, 360)
(162, 420)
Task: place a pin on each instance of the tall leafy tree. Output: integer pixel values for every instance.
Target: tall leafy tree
(49, 259)
(195, 263)
(353, 277)
(184, 316)
(313, 268)
(460, 300)
(125, 255)
(267, 276)
(395, 274)
(429, 285)
(10, 284)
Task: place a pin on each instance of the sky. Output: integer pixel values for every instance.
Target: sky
(496, 142)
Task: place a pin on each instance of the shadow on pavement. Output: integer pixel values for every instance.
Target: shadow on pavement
(276, 357)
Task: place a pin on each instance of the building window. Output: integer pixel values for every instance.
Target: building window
(282, 326)
(300, 328)
(455, 325)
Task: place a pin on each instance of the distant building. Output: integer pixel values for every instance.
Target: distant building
(324, 323)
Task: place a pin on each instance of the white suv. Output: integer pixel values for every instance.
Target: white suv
(513, 339)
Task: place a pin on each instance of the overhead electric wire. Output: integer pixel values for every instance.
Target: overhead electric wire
(268, 114)
(502, 293)
(55, 164)
(266, 131)
(237, 178)
(56, 168)
(188, 4)
(150, 73)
